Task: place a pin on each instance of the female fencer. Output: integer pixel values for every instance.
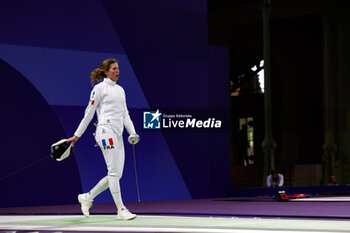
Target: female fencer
(108, 100)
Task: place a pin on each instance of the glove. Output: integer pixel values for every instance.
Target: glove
(133, 139)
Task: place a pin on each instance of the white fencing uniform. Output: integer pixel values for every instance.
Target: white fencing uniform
(108, 100)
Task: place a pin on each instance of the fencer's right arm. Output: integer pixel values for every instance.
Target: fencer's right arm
(89, 112)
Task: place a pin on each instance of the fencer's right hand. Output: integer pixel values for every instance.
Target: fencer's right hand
(73, 139)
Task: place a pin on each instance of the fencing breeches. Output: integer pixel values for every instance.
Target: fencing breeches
(112, 147)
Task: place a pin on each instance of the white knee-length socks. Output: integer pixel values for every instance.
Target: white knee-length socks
(114, 187)
(101, 186)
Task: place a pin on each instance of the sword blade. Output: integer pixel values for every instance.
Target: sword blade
(136, 177)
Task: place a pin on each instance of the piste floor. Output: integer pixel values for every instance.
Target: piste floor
(108, 223)
(204, 215)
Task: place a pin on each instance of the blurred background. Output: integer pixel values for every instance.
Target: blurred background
(308, 88)
(199, 55)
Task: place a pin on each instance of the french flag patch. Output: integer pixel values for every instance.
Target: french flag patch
(108, 143)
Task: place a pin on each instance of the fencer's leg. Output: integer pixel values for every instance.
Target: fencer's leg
(86, 199)
(113, 152)
(123, 212)
(114, 188)
(101, 186)
(115, 159)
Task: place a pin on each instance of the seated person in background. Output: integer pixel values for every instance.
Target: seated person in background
(332, 180)
(275, 179)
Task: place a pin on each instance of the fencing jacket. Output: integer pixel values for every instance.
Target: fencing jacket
(108, 100)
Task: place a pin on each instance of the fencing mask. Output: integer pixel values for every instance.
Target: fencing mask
(61, 150)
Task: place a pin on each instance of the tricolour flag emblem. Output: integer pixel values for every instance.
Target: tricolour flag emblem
(108, 144)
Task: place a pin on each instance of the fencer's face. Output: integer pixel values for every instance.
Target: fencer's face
(113, 72)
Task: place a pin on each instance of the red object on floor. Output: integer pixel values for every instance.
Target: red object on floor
(295, 196)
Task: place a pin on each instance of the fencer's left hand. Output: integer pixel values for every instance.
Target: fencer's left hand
(133, 139)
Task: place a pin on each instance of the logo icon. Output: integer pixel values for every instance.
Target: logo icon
(109, 144)
(152, 119)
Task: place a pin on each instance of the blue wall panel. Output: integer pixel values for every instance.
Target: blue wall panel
(29, 126)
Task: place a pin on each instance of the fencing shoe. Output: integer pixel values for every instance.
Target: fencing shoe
(85, 204)
(124, 214)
